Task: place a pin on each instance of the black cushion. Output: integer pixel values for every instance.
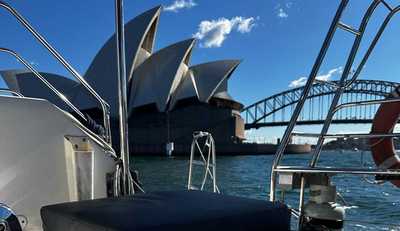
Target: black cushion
(183, 210)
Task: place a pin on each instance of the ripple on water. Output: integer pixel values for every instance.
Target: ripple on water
(370, 207)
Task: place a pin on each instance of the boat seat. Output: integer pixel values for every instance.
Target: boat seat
(177, 210)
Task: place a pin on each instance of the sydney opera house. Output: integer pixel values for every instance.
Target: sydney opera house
(168, 97)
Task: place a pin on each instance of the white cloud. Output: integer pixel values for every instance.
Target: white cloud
(282, 9)
(298, 82)
(281, 13)
(323, 77)
(245, 25)
(214, 32)
(180, 4)
(328, 75)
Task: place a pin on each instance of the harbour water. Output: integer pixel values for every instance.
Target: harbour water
(369, 206)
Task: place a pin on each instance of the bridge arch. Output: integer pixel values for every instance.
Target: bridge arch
(264, 113)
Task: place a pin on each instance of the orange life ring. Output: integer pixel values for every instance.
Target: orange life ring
(383, 151)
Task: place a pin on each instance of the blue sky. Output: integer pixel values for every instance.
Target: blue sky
(277, 40)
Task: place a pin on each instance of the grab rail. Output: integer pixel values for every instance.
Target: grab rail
(105, 106)
(342, 82)
(346, 80)
(96, 138)
(378, 35)
(307, 89)
(8, 91)
(41, 78)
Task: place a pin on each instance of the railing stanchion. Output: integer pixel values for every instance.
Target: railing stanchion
(122, 96)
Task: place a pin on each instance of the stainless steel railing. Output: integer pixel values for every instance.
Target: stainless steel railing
(343, 79)
(105, 145)
(104, 105)
(44, 80)
(207, 160)
(8, 91)
(302, 100)
(96, 138)
(345, 82)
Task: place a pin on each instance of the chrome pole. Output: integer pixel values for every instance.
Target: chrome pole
(122, 95)
(307, 88)
(8, 91)
(44, 80)
(215, 187)
(301, 201)
(192, 150)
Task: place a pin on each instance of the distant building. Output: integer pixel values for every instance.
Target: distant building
(168, 98)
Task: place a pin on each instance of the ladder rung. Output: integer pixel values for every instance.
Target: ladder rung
(193, 188)
(348, 28)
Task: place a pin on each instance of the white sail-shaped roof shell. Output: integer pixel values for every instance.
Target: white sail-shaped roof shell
(162, 78)
(157, 78)
(222, 92)
(102, 73)
(204, 80)
(186, 89)
(26, 83)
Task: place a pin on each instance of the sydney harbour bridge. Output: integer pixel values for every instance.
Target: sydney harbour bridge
(277, 109)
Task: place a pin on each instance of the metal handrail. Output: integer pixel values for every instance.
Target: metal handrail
(47, 83)
(343, 83)
(345, 74)
(96, 138)
(104, 105)
(307, 88)
(378, 35)
(4, 90)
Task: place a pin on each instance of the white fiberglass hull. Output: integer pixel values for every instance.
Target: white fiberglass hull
(46, 158)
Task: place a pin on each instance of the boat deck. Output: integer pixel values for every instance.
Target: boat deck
(182, 210)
